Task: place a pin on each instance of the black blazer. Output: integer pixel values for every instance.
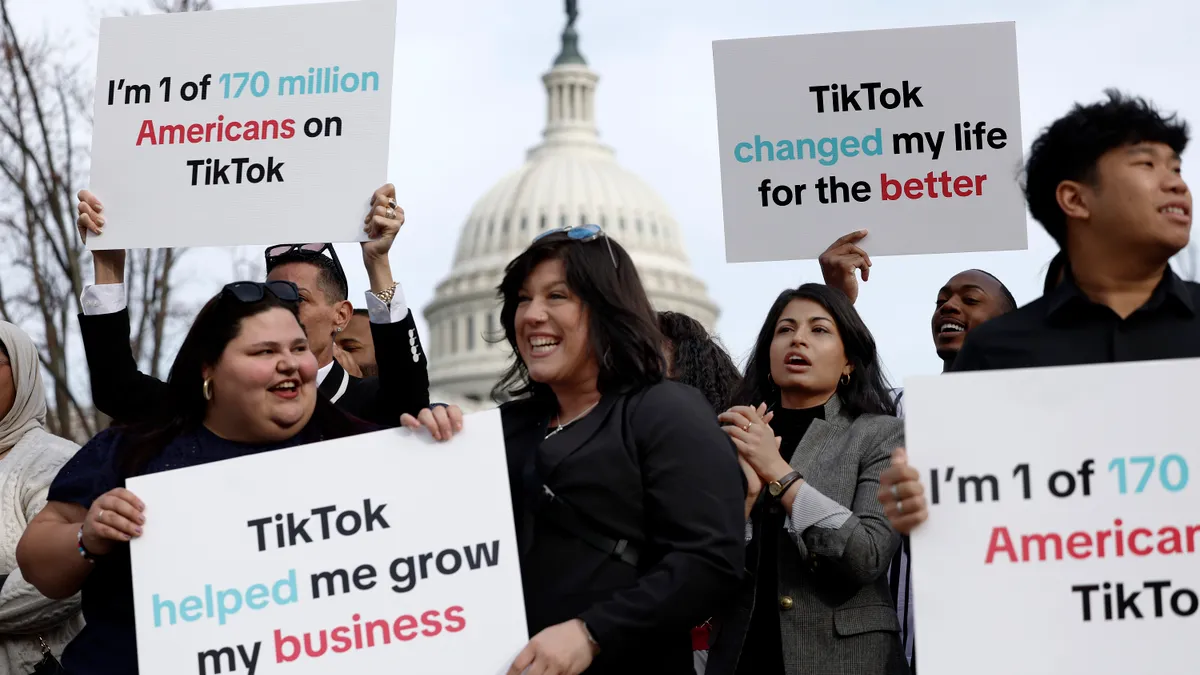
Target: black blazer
(651, 466)
(129, 396)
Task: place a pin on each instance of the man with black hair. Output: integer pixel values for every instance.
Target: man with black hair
(128, 396)
(356, 342)
(1104, 181)
(967, 300)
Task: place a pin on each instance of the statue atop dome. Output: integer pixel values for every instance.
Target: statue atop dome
(570, 39)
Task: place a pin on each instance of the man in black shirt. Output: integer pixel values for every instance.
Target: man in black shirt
(1105, 183)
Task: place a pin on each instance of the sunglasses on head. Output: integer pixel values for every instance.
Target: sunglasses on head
(277, 251)
(254, 291)
(582, 234)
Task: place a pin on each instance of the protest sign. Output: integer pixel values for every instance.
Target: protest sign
(913, 134)
(378, 553)
(1063, 526)
(237, 127)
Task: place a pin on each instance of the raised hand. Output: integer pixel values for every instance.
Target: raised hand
(841, 259)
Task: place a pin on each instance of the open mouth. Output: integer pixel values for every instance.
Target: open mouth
(1178, 212)
(542, 345)
(287, 389)
(950, 328)
(796, 360)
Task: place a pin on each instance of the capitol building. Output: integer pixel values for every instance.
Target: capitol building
(570, 178)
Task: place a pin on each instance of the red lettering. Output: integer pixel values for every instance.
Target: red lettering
(962, 186)
(893, 189)
(455, 622)
(196, 133)
(1001, 543)
(282, 641)
(406, 622)
(1192, 531)
(979, 184)
(1079, 540)
(232, 127)
(1041, 540)
(310, 650)
(208, 132)
(289, 128)
(1171, 536)
(341, 636)
(387, 632)
(912, 188)
(1101, 537)
(146, 132)
(430, 620)
(1133, 545)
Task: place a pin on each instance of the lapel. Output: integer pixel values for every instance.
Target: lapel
(566, 442)
(334, 384)
(820, 434)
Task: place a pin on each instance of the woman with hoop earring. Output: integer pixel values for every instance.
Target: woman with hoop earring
(814, 431)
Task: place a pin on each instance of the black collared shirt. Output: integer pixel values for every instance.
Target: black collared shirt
(1065, 328)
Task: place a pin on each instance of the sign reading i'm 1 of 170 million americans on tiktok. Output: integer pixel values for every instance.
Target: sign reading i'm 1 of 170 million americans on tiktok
(1064, 519)
(242, 127)
(913, 134)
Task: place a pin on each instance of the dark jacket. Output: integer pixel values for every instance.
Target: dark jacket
(835, 609)
(129, 396)
(652, 467)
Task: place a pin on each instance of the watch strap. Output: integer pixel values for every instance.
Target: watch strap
(777, 488)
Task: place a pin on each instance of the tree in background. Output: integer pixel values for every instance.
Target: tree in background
(45, 124)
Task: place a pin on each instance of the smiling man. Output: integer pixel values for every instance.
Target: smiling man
(967, 300)
(1105, 182)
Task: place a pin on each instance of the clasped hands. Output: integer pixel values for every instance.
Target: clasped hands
(757, 446)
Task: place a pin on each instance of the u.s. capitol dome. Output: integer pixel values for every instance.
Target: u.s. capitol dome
(570, 178)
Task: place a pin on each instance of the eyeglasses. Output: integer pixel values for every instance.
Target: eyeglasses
(582, 234)
(254, 291)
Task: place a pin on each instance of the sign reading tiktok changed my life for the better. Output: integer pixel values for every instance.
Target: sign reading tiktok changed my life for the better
(912, 134)
(242, 126)
(1064, 520)
(378, 553)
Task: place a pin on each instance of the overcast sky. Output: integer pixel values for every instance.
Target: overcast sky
(468, 101)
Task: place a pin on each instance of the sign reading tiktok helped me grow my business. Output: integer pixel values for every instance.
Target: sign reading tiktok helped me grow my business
(378, 553)
(912, 134)
(238, 127)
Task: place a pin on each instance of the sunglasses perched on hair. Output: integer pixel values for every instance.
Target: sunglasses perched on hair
(324, 250)
(582, 234)
(254, 291)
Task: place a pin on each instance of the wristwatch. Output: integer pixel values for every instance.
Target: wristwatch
(776, 488)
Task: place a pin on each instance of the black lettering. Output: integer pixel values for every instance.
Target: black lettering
(374, 517)
(295, 530)
(1157, 587)
(910, 96)
(1127, 603)
(328, 578)
(1085, 595)
(483, 556)
(215, 655)
(820, 92)
(195, 164)
(323, 514)
(347, 530)
(273, 171)
(259, 524)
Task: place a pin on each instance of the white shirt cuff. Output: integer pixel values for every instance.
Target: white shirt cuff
(102, 299)
(393, 313)
(813, 509)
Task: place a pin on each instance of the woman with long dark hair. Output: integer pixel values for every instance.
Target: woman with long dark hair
(242, 383)
(626, 494)
(814, 431)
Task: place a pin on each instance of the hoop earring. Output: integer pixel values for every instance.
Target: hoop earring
(207, 389)
(844, 380)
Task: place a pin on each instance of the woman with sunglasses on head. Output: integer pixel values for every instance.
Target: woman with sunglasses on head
(242, 383)
(626, 494)
(128, 396)
(814, 432)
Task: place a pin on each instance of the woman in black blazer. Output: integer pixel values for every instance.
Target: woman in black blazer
(627, 495)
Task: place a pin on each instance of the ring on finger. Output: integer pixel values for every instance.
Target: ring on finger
(896, 491)
(747, 427)
(100, 516)
(899, 506)
(391, 203)
(390, 213)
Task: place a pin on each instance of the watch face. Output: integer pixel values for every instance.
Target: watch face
(773, 488)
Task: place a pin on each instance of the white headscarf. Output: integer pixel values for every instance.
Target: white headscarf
(29, 407)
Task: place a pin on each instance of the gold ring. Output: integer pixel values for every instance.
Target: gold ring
(390, 213)
(747, 427)
(100, 516)
(391, 202)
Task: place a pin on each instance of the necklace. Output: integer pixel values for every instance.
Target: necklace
(573, 420)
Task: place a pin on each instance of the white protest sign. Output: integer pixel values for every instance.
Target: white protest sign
(913, 134)
(1064, 522)
(239, 127)
(379, 553)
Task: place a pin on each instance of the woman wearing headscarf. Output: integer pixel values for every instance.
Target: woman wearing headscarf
(814, 432)
(33, 628)
(244, 382)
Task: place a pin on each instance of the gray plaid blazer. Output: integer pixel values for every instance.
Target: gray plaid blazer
(835, 609)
